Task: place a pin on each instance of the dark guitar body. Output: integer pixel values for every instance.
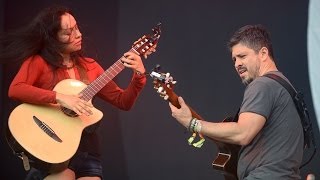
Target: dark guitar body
(227, 158)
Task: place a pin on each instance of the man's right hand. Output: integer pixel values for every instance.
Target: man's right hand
(183, 115)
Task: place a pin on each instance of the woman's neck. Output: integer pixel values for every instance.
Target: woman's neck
(67, 61)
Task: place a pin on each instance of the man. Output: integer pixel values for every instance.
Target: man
(268, 126)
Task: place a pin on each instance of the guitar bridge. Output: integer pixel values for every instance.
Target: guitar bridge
(45, 128)
(68, 112)
(221, 160)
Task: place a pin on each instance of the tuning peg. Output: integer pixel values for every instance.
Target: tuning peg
(160, 89)
(157, 29)
(157, 68)
(163, 94)
(156, 86)
(166, 97)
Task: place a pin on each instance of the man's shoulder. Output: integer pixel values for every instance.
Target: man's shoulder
(261, 82)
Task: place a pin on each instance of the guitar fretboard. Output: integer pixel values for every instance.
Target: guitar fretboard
(95, 86)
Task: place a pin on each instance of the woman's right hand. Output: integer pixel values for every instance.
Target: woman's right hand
(74, 103)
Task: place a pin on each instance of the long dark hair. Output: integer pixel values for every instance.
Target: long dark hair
(38, 37)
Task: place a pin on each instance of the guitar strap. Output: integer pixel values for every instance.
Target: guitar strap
(17, 149)
(28, 160)
(301, 107)
(236, 117)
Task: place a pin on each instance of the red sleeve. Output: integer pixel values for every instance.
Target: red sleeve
(123, 98)
(30, 84)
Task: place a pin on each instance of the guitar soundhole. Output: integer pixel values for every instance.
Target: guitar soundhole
(69, 112)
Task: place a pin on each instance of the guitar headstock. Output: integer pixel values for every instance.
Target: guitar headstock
(163, 82)
(147, 44)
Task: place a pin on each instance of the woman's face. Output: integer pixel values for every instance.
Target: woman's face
(69, 34)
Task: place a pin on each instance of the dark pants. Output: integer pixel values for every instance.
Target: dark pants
(82, 163)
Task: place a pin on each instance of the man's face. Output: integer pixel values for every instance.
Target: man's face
(246, 62)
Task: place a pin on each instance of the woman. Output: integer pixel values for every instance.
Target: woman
(50, 51)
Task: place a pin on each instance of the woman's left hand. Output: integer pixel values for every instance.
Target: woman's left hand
(133, 61)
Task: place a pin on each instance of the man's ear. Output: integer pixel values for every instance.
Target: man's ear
(264, 53)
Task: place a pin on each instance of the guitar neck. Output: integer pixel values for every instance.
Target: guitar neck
(95, 86)
(173, 98)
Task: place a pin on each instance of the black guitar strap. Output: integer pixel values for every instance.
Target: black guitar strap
(236, 117)
(298, 100)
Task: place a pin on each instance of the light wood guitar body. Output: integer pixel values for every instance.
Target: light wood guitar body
(69, 129)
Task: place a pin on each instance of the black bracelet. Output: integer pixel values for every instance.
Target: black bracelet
(190, 123)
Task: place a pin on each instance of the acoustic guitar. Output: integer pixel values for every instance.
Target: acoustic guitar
(51, 132)
(227, 158)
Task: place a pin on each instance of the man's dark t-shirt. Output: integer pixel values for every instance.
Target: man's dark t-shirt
(277, 150)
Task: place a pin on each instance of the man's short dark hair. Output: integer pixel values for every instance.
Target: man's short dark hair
(254, 37)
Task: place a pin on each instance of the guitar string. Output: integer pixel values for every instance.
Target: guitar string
(95, 85)
(104, 78)
(99, 83)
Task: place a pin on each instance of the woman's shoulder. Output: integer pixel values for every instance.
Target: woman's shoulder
(35, 60)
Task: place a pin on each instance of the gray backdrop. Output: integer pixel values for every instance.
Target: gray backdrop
(146, 142)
